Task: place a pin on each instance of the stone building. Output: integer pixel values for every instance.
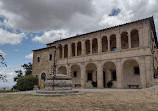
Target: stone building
(124, 54)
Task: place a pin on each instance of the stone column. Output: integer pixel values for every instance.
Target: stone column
(141, 39)
(118, 42)
(69, 50)
(75, 49)
(63, 51)
(149, 71)
(142, 72)
(83, 75)
(129, 40)
(99, 75)
(83, 47)
(99, 45)
(69, 70)
(108, 38)
(119, 74)
(90, 46)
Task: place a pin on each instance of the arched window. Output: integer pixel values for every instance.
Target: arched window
(87, 46)
(124, 40)
(134, 38)
(79, 48)
(94, 46)
(73, 49)
(104, 44)
(113, 42)
(60, 51)
(65, 51)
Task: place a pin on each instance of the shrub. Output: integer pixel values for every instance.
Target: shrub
(26, 83)
(94, 84)
(109, 84)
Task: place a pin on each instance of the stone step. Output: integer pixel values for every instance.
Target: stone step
(155, 83)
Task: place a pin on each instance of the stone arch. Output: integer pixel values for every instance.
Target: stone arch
(124, 40)
(60, 51)
(94, 45)
(109, 74)
(131, 73)
(87, 44)
(112, 42)
(104, 44)
(76, 75)
(134, 38)
(79, 48)
(65, 51)
(62, 70)
(91, 75)
(73, 49)
(43, 76)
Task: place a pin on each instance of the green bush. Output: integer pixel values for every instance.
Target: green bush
(26, 83)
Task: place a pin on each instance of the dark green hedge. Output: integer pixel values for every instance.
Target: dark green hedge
(26, 83)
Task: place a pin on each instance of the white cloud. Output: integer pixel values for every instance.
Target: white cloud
(10, 38)
(51, 36)
(2, 53)
(75, 16)
(10, 73)
(30, 56)
(121, 18)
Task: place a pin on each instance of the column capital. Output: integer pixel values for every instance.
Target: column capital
(99, 39)
(108, 37)
(128, 34)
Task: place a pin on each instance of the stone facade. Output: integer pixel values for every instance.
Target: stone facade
(125, 54)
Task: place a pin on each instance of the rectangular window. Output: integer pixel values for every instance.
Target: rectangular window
(114, 77)
(38, 59)
(136, 70)
(50, 57)
(75, 74)
(89, 77)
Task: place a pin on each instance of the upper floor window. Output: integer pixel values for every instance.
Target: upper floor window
(50, 57)
(134, 38)
(38, 59)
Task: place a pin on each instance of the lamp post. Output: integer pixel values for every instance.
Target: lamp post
(54, 65)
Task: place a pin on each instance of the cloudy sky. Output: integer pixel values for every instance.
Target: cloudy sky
(30, 24)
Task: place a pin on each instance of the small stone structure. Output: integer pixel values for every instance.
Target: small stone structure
(61, 84)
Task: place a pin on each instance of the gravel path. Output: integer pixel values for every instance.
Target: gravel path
(86, 90)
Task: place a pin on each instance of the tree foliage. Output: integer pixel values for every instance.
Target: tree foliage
(3, 64)
(19, 74)
(26, 83)
(28, 68)
(28, 71)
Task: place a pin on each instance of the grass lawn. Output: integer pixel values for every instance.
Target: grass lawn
(143, 100)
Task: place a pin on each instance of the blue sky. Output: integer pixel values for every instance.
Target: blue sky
(26, 25)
